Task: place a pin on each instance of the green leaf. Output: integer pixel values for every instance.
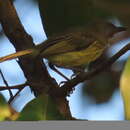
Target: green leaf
(4, 109)
(41, 108)
(125, 89)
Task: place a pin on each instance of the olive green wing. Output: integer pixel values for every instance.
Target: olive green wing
(66, 43)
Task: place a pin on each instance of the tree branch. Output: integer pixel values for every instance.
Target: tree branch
(35, 72)
(21, 40)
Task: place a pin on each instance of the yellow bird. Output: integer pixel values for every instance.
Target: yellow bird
(73, 49)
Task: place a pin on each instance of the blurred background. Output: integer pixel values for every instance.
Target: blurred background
(96, 99)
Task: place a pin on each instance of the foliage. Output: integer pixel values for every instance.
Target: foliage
(6, 112)
(41, 108)
(125, 89)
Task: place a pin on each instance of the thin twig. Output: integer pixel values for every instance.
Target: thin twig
(2, 88)
(20, 87)
(11, 99)
(5, 82)
(57, 71)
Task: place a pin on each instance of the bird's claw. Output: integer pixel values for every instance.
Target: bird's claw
(70, 92)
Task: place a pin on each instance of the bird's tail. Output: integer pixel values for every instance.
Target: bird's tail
(16, 55)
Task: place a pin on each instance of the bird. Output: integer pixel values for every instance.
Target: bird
(73, 49)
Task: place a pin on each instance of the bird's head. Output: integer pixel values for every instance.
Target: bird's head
(105, 30)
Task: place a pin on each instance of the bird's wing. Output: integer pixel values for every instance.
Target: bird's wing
(66, 43)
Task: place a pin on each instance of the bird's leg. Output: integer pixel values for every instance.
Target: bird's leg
(57, 71)
(62, 82)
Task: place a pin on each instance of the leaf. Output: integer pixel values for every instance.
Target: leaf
(125, 89)
(41, 108)
(4, 109)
